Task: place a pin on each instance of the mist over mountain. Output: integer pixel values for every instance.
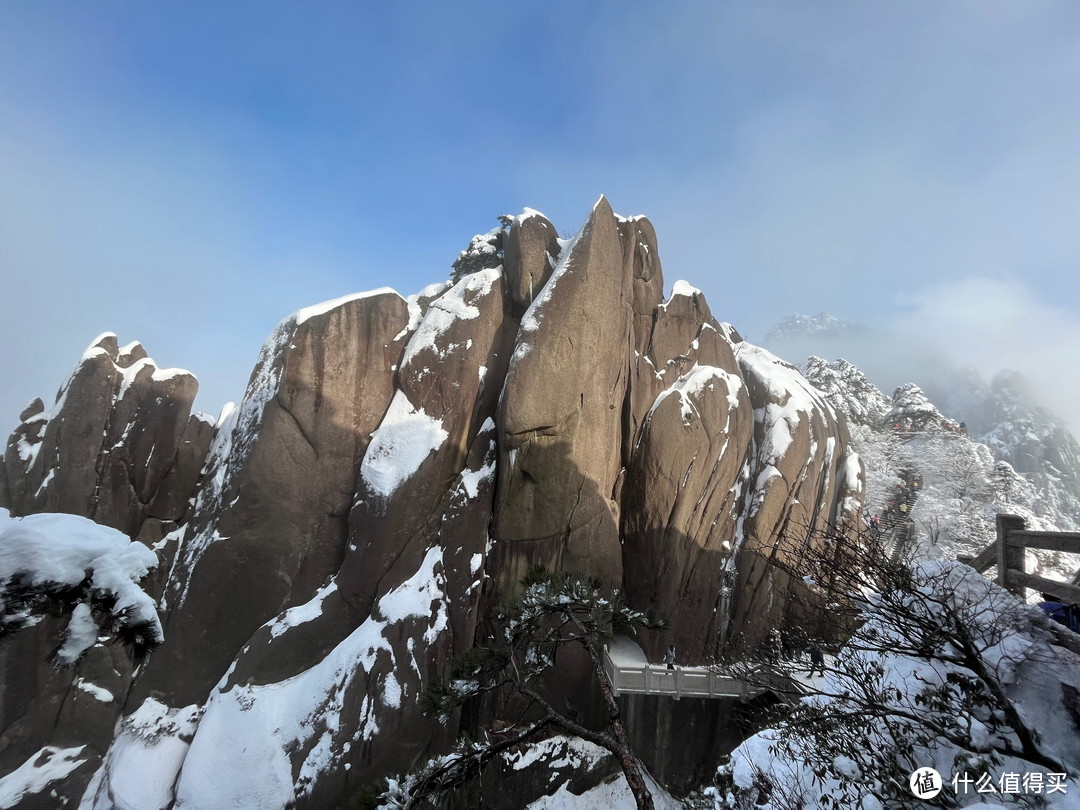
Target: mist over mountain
(915, 346)
(1003, 417)
(883, 356)
(958, 387)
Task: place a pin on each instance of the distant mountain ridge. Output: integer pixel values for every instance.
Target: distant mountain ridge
(821, 325)
(967, 479)
(1003, 414)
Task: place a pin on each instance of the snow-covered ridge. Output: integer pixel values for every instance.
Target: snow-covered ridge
(455, 304)
(314, 310)
(156, 374)
(848, 390)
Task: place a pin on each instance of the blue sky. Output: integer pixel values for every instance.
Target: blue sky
(189, 174)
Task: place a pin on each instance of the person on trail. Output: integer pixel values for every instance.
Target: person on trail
(817, 661)
(963, 428)
(669, 657)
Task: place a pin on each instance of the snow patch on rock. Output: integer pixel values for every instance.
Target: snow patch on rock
(48, 765)
(789, 399)
(530, 321)
(315, 310)
(453, 305)
(402, 442)
(141, 766)
(82, 634)
(690, 387)
(254, 727)
(300, 614)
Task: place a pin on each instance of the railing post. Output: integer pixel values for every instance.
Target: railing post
(614, 671)
(1009, 556)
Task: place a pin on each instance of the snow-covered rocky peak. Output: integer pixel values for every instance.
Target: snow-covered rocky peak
(485, 251)
(1013, 397)
(848, 390)
(120, 444)
(1010, 402)
(911, 409)
(1033, 441)
(1013, 456)
(821, 325)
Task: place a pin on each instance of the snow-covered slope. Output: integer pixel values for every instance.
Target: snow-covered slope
(948, 671)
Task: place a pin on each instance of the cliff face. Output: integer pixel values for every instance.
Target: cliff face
(119, 446)
(394, 468)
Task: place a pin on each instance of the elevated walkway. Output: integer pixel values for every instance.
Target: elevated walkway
(631, 673)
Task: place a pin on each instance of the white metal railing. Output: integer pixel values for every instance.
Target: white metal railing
(657, 679)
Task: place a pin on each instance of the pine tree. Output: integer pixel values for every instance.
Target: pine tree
(931, 663)
(551, 612)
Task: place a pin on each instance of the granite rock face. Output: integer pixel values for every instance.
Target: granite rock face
(120, 445)
(395, 467)
(531, 251)
(271, 522)
(561, 411)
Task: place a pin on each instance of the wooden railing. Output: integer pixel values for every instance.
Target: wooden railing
(657, 679)
(1007, 552)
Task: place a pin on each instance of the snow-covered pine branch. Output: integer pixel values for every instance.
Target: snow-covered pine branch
(520, 659)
